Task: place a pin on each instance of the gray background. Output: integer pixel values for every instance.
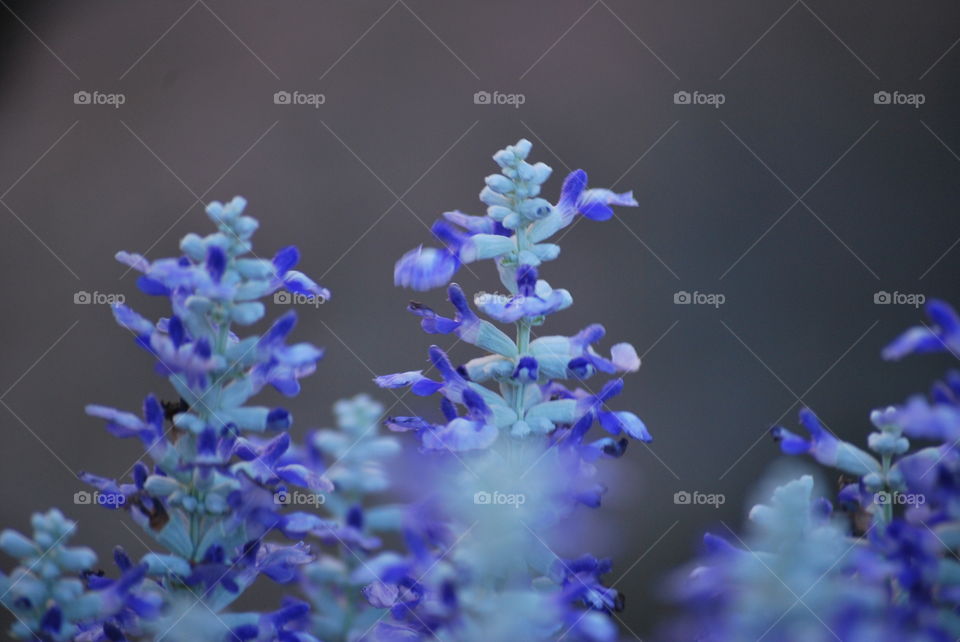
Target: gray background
(816, 197)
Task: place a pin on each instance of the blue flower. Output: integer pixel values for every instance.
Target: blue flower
(516, 224)
(896, 575)
(210, 496)
(748, 587)
(425, 268)
(507, 417)
(46, 592)
(533, 299)
(825, 447)
(942, 336)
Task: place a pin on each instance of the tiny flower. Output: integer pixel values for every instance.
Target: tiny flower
(825, 447)
(942, 336)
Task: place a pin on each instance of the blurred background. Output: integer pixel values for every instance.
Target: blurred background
(796, 167)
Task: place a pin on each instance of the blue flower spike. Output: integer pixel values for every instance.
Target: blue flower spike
(510, 418)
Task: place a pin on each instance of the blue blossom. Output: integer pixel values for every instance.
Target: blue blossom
(534, 298)
(434, 591)
(516, 224)
(508, 429)
(209, 460)
(355, 456)
(942, 336)
(898, 577)
(516, 216)
(218, 463)
(46, 592)
(425, 268)
(794, 575)
(825, 447)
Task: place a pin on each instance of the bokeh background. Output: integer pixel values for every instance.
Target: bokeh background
(797, 199)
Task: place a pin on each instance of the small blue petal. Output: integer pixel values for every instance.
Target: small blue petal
(425, 268)
(286, 259)
(152, 286)
(216, 262)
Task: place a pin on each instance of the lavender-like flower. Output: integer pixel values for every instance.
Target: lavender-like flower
(53, 593)
(525, 369)
(354, 456)
(889, 571)
(795, 574)
(219, 462)
(513, 435)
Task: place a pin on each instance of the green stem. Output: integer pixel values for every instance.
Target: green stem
(523, 331)
(523, 343)
(196, 529)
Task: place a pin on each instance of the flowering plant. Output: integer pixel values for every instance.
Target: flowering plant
(224, 473)
(889, 570)
(230, 496)
(515, 438)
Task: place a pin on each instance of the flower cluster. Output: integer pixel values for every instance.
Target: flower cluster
(527, 370)
(784, 578)
(218, 462)
(55, 593)
(514, 435)
(228, 495)
(354, 456)
(890, 572)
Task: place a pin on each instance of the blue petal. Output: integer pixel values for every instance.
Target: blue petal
(425, 268)
(286, 259)
(573, 186)
(152, 287)
(216, 262)
(790, 443)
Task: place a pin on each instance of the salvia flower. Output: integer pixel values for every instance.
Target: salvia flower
(47, 593)
(513, 428)
(220, 464)
(896, 576)
(354, 455)
(793, 575)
